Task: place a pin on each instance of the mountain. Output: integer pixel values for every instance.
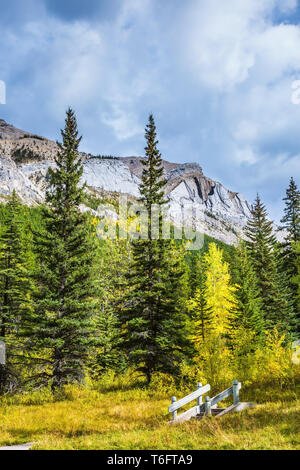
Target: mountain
(217, 211)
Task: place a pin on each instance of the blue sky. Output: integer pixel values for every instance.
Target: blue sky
(216, 75)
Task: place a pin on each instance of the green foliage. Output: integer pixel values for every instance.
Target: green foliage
(114, 256)
(249, 310)
(291, 219)
(32, 136)
(213, 306)
(23, 155)
(289, 255)
(15, 288)
(263, 252)
(93, 201)
(153, 319)
(296, 278)
(65, 295)
(197, 303)
(192, 258)
(74, 308)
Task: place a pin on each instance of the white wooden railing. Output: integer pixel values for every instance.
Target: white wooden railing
(207, 406)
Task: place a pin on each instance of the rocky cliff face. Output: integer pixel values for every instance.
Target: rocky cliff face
(25, 159)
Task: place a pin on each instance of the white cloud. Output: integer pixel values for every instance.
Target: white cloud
(124, 124)
(217, 74)
(227, 43)
(245, 155)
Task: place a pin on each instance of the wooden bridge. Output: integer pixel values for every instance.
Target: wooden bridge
(210, 405)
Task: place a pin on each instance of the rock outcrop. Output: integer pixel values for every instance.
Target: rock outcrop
(25, 159)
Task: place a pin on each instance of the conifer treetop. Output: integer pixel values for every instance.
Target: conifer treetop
(64, 188)
(259, 227)
(152, 181)
(291, 218)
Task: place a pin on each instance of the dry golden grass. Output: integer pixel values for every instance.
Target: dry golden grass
(137, 419)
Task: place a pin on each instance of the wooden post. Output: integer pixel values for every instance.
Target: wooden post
(2, 353)
(174, 413)
(207, 406)
(199, 399)
(235, 388)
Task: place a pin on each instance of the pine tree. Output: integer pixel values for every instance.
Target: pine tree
(65, 249)
(291, 219)
(262, 249)
(153, 321)
(291, 226)
(248, 295)
(15, 291)
(197, 304)
(195, 271)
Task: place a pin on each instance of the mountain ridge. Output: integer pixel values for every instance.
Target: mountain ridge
(26, 157)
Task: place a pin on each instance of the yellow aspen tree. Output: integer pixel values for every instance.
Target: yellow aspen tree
(219, 294)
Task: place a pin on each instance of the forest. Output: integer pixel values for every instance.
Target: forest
(144, 318)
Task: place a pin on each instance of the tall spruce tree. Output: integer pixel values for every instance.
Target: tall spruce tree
(15, 288)
(291, 219)
(153, 322)
(291, 226)
(262, 248)
(197, 304)
(66, 253)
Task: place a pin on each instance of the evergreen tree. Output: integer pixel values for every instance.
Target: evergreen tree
(15, 305)
(195, 272)
(296, 279)
(291, 225)
(248, 295)
(291, 219)
(153, 321)
(65, 249)
(262, 248)
(197, 304)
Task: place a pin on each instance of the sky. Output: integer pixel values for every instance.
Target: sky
(217, 75)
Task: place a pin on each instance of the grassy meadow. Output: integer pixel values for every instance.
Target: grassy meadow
(115, 415)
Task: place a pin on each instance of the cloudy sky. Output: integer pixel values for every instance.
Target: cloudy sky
(217, 75)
